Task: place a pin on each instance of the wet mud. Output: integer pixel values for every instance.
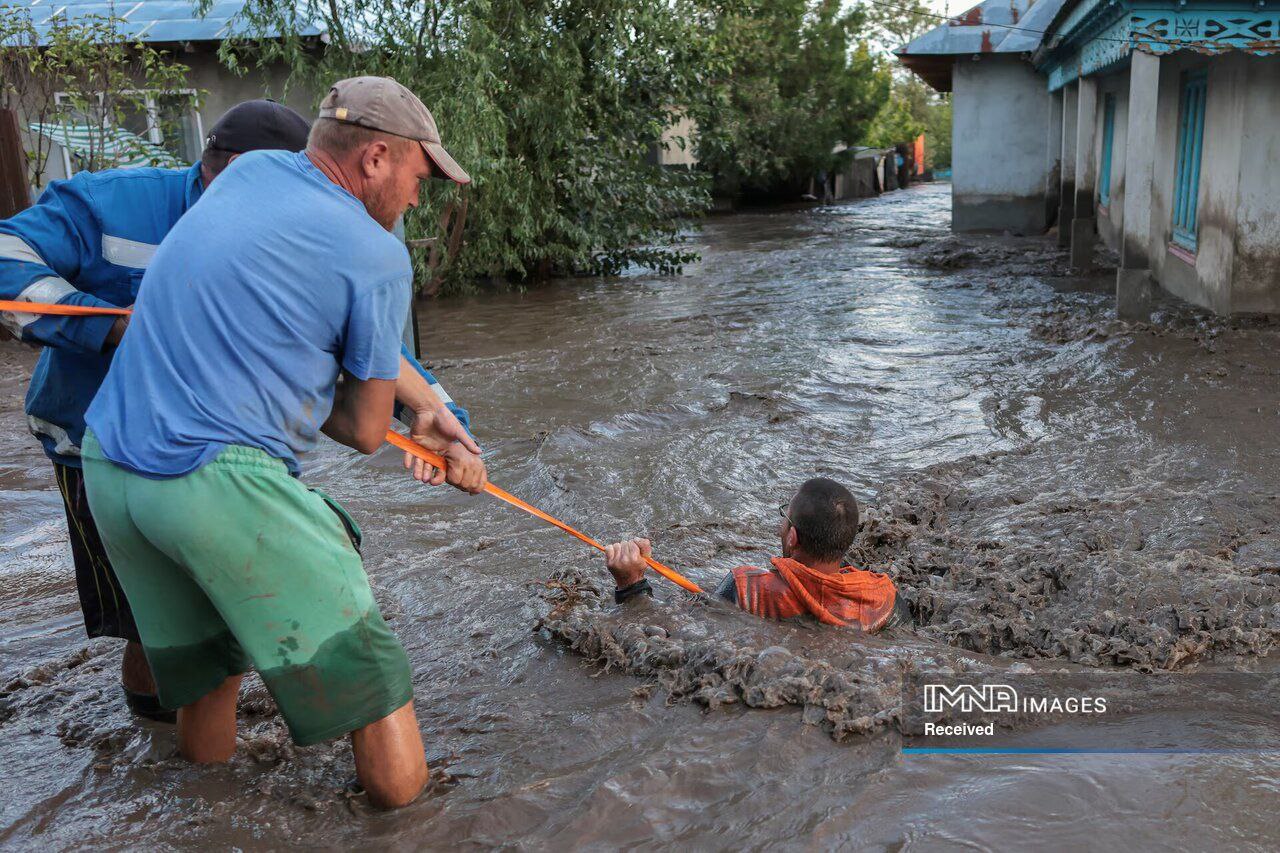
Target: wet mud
(852, 696)
(1053, 490)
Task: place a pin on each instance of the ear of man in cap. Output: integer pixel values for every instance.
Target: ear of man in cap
(252, 126)
(382, 104)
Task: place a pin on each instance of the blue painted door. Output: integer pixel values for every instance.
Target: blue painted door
(1186, 176)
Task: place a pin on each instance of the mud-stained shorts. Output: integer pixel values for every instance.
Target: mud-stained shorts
(237, 565)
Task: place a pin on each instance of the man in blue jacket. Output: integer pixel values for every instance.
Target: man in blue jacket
(88, 241)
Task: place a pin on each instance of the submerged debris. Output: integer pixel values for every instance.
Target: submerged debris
(855, 691)
(997, 557)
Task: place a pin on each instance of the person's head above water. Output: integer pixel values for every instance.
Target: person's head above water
(820, 523)
(376, 140)
(251, 126)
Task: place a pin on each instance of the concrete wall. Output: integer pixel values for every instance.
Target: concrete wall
(1204, 278)
(1174, 272)
(1220, 179)
(1236, 264)
(1111, 217)
(1000, 108)
(223, 90)
(1053, 160)
(1256, 273)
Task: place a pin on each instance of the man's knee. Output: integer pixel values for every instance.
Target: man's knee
(390, 762)
(393, 792)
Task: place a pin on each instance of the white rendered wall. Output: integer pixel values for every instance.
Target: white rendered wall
(1000, 114)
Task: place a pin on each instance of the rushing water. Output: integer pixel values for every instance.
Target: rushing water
(687, 409)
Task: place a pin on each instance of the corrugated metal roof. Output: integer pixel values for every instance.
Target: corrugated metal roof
(994, 26)
(148, 20)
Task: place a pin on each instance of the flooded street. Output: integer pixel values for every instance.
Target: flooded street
(1050, 488)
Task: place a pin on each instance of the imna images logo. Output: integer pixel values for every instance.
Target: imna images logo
(967, 698)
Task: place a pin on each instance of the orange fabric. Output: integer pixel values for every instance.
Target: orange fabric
(919, 152)
(790, 589)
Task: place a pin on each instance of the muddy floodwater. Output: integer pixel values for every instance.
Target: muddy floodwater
(1052, 490)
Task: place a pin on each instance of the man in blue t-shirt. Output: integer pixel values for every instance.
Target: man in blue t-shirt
(284, 280)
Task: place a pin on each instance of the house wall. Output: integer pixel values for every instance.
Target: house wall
(1174, 272)
(670, 152)
(1000, 164)
(1111, 217)
(1256, 272)
(1205, 278)
(1053, 159)
(221, 90)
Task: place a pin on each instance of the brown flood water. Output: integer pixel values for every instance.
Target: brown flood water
(1051, 489)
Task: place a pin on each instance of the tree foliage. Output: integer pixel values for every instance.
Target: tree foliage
(553, 106)
(912, 109)
(937, 133)
(82, 72)
(790, 79)
(896, 22)
(556, 108)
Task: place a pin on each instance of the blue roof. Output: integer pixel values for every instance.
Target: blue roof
(993, 26)
(150, 20)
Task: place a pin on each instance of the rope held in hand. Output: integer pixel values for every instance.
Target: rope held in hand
(392, 438)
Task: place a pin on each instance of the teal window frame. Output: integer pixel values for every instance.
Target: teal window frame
(1108, 141)
(1186, 175)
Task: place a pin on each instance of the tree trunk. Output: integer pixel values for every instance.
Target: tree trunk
(15, 196)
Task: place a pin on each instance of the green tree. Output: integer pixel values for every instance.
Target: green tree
(937, 133)
(789, 80)
(80, 71)
(912, 109)
(896, 22)
(553, 106)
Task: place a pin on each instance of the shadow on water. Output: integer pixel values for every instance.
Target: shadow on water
(1049, 487)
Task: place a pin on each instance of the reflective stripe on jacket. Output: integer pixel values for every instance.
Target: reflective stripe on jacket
(87, 241)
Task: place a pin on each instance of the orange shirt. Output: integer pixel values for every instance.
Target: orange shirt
(790, 589)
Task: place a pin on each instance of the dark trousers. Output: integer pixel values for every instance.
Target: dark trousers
(106, 610)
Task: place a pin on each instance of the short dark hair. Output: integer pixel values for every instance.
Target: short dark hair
(215, 159)
(825, 516)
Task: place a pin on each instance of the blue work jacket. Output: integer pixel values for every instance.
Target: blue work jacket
(88, 241)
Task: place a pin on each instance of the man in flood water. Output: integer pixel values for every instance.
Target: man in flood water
(809, 579)
(283, 280)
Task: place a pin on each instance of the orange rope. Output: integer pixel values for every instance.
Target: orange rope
(61, 310)
(393, 438)
(435, 459)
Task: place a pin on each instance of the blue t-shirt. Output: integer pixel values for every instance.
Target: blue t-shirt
(273, 281)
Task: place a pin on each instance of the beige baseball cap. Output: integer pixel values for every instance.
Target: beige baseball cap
(380, 103)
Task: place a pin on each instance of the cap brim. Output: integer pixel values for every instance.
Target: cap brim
(446, 164)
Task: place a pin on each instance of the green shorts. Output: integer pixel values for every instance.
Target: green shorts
(237, 565)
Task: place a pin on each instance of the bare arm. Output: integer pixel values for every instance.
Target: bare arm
(435, 428)
(361, 412)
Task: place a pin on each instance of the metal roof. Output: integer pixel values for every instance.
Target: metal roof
(150, 20)
(994, 26)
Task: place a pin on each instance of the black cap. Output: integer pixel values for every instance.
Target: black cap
(255, 125)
